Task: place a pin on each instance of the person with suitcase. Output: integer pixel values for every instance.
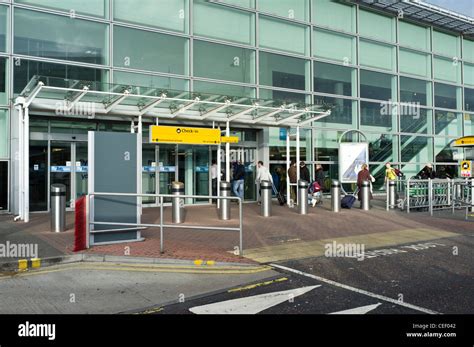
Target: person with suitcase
(363, 175)
(263, 174)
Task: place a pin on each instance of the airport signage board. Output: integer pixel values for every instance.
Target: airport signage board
(184, 135)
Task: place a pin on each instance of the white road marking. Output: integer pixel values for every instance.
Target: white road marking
(357, 290)
(252, 304)
(359, 310)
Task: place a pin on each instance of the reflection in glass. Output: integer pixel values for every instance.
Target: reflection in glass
(334, 79)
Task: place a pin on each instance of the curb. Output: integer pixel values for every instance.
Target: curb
(37, 263)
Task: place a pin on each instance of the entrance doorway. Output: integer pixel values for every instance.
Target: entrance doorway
(68, 166)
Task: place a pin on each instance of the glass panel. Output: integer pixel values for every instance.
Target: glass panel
(38, 175)
(24, 70)
(447, 70)
(145, 50)
(63, 37)
(284, 96)
(97, 8)
(4, 132)
(446, 44)
(376, 85)
(242, 3)
(200, 166)
(61, 167)
(283, 35)
(469, 99)
(448, 123)
(468, 50)
(81, 169)
(415, 91)
(285, 72)
(167, 168)
(414, 36)
(326, 144)
(415, 63)
(382, 148)
(445, 96)
(343, 111)
(377, 26)
(3, 81)
(170, 14)
(149, 168)
(420, 123)
(3, 28)
(334, 79)
(416, 149)
(377, 55)
(411, 170)
(3, 186)
(328, 13)
(224, 62)
(71, 127)
(444, 153)
(220, 22)
(150, 81)
(223, 89)
(469, 74)
(286, 8)
(469, 123)
(378, 116)
(334, 46)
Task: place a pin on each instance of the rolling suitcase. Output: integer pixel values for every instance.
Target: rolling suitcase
(348, 201)
(281, 197)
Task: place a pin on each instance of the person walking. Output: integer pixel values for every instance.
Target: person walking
(364, 175)
(319, 175)
(304, 172)
(263, 174)
(427, 172)
(214, 174)
(390, 173)
(238, 176)
(292, 176)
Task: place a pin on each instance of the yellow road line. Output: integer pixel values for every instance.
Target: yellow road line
(137, 268)
(316, 248)
(255, 285)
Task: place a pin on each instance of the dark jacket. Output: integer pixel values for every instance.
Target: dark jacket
(239, 172)
(304, 174)
(292, 174)
(320, 177)
(427, 173)
(363, 175)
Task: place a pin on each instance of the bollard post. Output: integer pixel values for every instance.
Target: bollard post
(58, 208)
(335, 196)
(224, 209)
(303, 196)
(266, 198)
(392, 185)
(177, 204)
(365, 196)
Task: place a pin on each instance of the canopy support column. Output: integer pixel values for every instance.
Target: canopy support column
(227, 154)
(287, 166)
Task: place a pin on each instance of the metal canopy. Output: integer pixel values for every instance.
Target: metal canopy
(423, 12)
(46, 94)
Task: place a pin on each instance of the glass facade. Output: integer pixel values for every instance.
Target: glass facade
(384, 75)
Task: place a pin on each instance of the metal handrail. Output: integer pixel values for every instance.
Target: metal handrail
(162, 225)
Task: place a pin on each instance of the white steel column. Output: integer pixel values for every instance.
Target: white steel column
(140, 163)
(287, 166)
(26, 164)
(219, 158)
(298, 198)
(21, 153)
(227, 155)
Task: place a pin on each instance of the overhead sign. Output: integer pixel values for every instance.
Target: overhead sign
(466, 168)
(351, 158)
(230, 139)
(184, 135)
(465, 141)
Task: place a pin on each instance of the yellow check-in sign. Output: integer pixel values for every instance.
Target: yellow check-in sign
(184, 135)
(230, 139)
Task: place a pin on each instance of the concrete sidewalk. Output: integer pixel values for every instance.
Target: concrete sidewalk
(285, 227)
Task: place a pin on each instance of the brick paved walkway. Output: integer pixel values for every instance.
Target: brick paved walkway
(285, 226)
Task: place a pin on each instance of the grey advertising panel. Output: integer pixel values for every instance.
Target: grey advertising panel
(113, 168)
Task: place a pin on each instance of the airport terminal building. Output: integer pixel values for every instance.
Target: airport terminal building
(400, 73)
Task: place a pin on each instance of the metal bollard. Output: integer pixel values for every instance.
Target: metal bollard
(224, 209)
(392, 193)
(335, 196)
(365, 196)
(266, 197)
(177, 204)
(303, 196)
(58, 208)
